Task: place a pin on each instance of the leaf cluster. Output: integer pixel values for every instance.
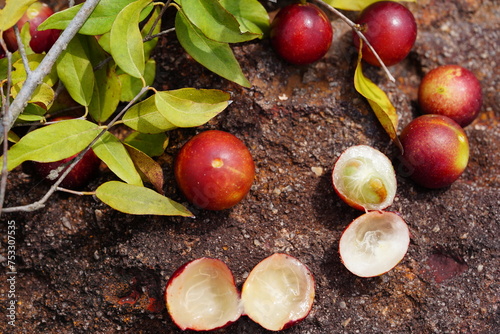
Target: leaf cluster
(109, 64)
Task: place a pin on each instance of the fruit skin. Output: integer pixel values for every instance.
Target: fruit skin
(390, 28)
(214, 170)
(41, 41)
(436, 150)
(83, 172)
(301, 33)
(452, 91)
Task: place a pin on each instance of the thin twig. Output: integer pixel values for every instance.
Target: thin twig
(48, 61)
(22, 50)
(357, 29)
(5, 109)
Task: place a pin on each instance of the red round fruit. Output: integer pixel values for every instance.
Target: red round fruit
(41, 41)
(390, 28)
(9, 37)
(301, 33)
(84, 171)
(436, 150)
(452, 91)
(214, 170)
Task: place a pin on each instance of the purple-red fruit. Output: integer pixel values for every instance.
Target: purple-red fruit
(436, 150)
(84, 171)
(301, 33)
(41, 41)
(214, 170)
(390, 28)
(452, 91)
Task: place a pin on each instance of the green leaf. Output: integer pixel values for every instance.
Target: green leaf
(4, 65)
(126, 40)
(32, 113)
(216, 56)
(251, 15)
(13, 137)
(356, 5)
(214, 21)
(190, 107)
(132, 86)
(19, 72)
(43, 94)
(53, 142)
(12, 12)
(75, 70)
(149, 169)
(137, 200)
(98, 23)
(145, 117)
(110, 150)
(379, 102)
(150, 45)
(107, 90)
(152, 144)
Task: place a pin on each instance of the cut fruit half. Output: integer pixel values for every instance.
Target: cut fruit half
(374, 243)
(278, 292)
(202, 296)
(364, 178)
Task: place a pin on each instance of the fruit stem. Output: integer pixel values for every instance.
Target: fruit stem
(357, 29)
(74, 192)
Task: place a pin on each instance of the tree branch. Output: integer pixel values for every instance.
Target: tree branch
(41, 203)
(36, 76)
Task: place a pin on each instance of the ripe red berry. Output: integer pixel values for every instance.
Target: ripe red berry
(41, 41)
(436, 150)
(214, 170)
(301, 33)
(390, 28)
(452, 91)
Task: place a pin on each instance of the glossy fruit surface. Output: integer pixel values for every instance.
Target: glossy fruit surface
(214, 170)
(41, 41)
(201, 295)
(452, 91)
(374, 243)
(84, 171)
(301, 33)
(364, 178)
(390, 28)
(436, 150)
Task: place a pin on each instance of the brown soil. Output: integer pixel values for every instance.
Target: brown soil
(85, 268)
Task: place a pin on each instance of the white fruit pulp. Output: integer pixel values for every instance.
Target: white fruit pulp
(278, 291)
(369, 169)
(203, 296)
(374, 243)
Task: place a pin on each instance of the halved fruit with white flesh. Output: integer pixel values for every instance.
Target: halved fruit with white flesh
(364, 178)
(374, 243)
(278, 292)
(201, 295)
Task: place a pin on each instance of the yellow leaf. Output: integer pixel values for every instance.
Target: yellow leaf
(379, 101)
(12, 12)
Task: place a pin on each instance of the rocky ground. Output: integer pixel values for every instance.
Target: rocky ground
(85, 268)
